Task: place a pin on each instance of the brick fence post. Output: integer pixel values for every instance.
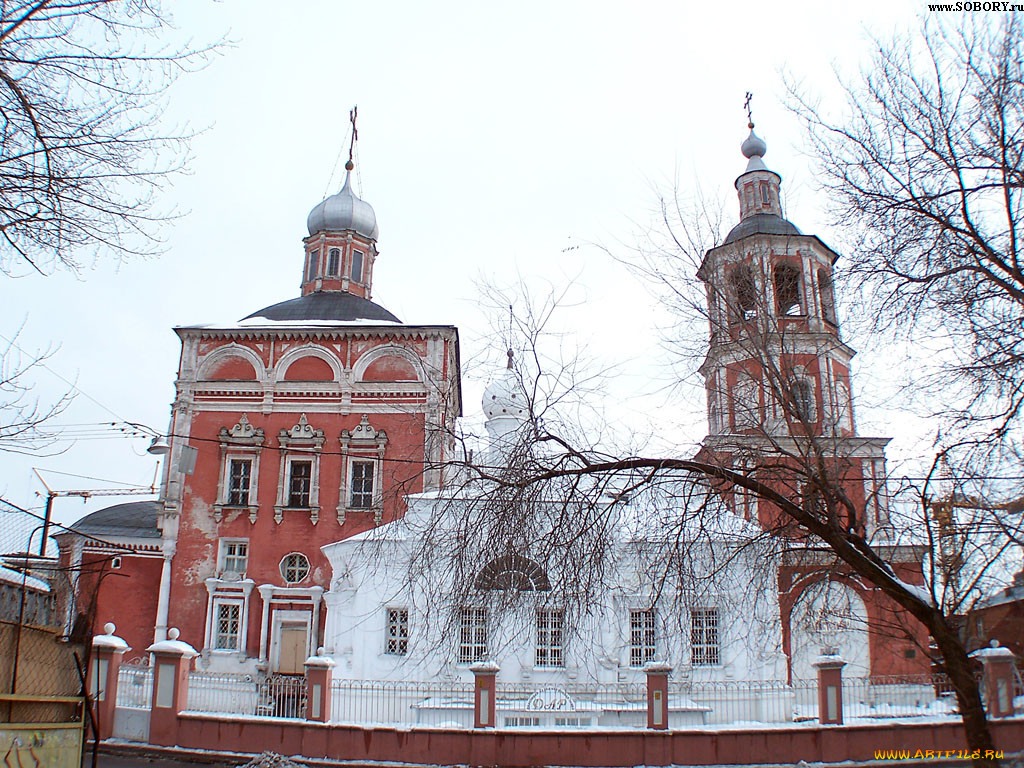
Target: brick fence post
(107, 652)
(997, 678)
(318, 687)
(172, 660)
(657, 694)
(830, 688)
(485, 676)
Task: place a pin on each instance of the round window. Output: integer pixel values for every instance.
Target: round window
(294, 568)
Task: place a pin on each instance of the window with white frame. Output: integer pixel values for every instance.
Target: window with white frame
(550, 638)
(361, 484)
(333, 262)
(314, 256)
(396, 638)
(472, 635)
(234, 555)
(227, 629)
(239, 481)
(294, 567)
(300, 482)
(357, 266)
(642, 637)
(704, 646)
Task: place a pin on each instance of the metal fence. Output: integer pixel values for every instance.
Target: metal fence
(574, 705)
(444, 704)
(135, 686)
(274, 696)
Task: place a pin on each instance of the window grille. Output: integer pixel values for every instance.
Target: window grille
(642, 647)
(361, 495)
(550, 634)
(397, 639)
(294, 568)
(229, 617)
(239, 482)
(472, 635)
(300, 482)
(704, 648)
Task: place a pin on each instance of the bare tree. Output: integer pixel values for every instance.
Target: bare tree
(25, 425)
(82, 92)
(924, 170)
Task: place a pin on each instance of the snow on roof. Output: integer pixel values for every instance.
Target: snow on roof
(16, 578)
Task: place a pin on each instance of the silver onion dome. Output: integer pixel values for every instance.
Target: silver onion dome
(343, 211)
(754, 148)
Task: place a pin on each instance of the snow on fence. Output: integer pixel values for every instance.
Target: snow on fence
(274, 696)
(134, 686)
(574, 705)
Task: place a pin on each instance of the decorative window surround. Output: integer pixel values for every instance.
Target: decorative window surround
(305, 598)
(300, 443)
(242, 442)
(223, 592)
(362, 444)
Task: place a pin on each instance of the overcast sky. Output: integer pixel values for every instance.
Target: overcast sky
(496, 141)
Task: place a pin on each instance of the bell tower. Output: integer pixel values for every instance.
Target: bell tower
(777, 372)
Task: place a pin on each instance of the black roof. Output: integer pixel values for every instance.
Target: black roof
(762, 224)
(136, 519)
(325, 305)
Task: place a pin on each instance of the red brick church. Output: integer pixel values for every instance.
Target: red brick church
(310, 420)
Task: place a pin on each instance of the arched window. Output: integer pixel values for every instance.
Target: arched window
(513, 572)
(743, 298)
(803, 399)
(787, 290)
(333, 262)
(746, 408)
(828, 300)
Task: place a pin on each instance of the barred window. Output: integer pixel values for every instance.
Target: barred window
(704, 647)
(642, 647)
(550, 632)
(300, 482)
(294, 567)
(229, 619)
(361, 491)
(472, 635)
(239, 482)
(397, 638)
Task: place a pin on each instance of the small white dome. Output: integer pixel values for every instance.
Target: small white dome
(343, 211)
(505, 397)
